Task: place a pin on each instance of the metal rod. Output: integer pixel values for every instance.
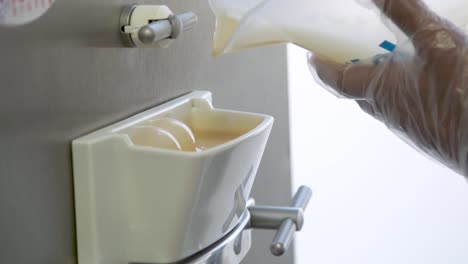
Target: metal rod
(302, 197)
(171, 27)
(284, 236)
(189, 19)
(271, 217)
(156, 31)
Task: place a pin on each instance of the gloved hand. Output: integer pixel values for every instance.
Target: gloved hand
(424, 97)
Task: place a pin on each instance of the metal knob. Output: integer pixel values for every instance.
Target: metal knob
(171, 28)
(152, 25)
(286, 220)
(284, 236)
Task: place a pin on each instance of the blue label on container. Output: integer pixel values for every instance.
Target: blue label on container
(387, 45)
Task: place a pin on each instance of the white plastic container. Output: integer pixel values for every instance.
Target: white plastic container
(342, 30)
(146, 204)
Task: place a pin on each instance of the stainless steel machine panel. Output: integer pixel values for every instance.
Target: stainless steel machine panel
(67, 74)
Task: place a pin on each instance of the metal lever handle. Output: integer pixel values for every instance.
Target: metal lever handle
(167, 28)
(284, 236)
(284, 219)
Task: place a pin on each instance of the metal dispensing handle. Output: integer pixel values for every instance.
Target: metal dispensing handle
(171, 28)
(286, 220)
(153, 25)
(284, 236)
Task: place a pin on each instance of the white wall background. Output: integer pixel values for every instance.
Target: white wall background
(376, 200)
